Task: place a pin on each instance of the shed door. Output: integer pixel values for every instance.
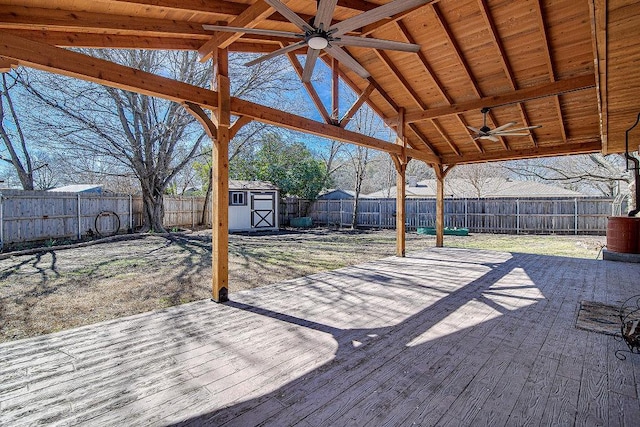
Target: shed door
(263, 213)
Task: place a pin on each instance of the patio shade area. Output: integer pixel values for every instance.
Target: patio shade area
(444, 336)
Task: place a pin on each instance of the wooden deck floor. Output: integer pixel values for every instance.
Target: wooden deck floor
(442, 337)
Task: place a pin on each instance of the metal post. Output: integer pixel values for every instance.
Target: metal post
(79, 219)
(341, 209)
(517, 216)
(575, 215)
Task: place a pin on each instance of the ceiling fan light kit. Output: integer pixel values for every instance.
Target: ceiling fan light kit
(317, 42)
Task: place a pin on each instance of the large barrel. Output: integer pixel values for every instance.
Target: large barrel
(623, 234)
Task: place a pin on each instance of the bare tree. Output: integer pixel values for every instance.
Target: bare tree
(478, 176)
(591, 172)
(13, 136)
(129, 134)
(368, 123)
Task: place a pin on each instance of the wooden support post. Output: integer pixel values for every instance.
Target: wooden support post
(220, 187)
(441, 173)
(400, 163)
(335, 94)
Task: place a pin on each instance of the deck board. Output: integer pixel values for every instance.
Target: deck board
(441, 337)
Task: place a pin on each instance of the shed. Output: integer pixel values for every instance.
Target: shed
(79, 188)
(337, 194)
(253, 205)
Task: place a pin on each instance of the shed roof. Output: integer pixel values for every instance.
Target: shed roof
(235, 184)
(78, 188)
(568, 65)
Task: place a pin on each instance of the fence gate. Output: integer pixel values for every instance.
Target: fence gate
(263, 212)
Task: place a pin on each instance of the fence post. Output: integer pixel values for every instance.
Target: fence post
(575, 215)
(517, 216)
(79, 219)
(1, 221)
(193, 222)
(466, 210)
(130, 213)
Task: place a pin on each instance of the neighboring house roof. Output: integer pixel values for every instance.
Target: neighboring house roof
(336, 194)
(78, 188)
(235, 184)
(491, 187)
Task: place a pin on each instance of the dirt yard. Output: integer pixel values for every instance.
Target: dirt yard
(64, 288)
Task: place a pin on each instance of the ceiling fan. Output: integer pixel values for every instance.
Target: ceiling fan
(491, 134)
(319, 34)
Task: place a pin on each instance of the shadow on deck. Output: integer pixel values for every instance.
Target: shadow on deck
(442, 337)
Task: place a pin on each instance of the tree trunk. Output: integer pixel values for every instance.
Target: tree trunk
(153, 211)
(354, 217)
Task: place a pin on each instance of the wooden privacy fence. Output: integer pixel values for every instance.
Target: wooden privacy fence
(27, 216)
(489, 215)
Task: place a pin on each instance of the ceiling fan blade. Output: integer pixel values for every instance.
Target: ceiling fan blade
(473, 129)
(324, 14)
(344, 58)
(512, 134)
(489, 137)
(374, 15)
(289, 14)
(376, 43)
(526, 128)
(257, 31)
(275, 53)
(312, 55)
(506, 125)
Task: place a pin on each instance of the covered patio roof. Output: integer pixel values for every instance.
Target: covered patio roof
(441, 337)
(564, 64)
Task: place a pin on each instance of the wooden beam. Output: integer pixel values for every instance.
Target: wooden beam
(440, 175)
(368, 29)
(598, 17)
(506, 65)
(401, 184)
(424, 62)
(68, 63)
(279, 118)
(441, 172)
(335, 90)
(475, 142)
(116, 41)
(439, 86)
(395, 72)
(346, 80)
(423, 138)
(520, 95)
(571, 147)
(249, 18)
(61, 61)
(238, 124)
(80, 21)
(209, 125)
(444, 135)
(7, 64)
(539, 13)
(220, 185)
(364, 96)
(311, 91)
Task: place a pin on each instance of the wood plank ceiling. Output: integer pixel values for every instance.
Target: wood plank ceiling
(535, 62)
